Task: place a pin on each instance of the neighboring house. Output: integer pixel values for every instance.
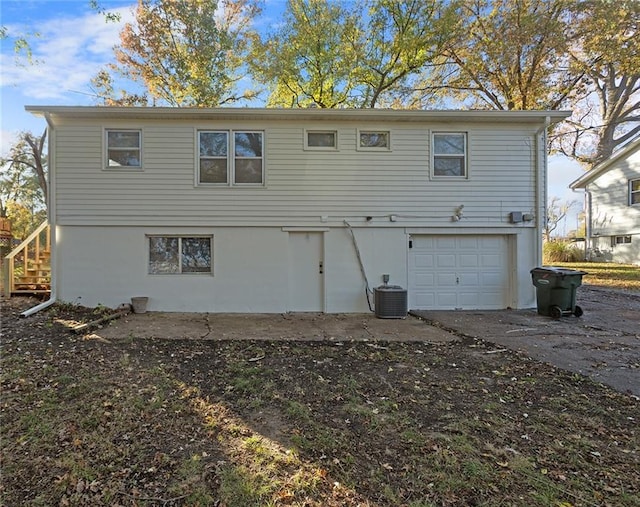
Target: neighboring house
(270, 210)
(612, 204)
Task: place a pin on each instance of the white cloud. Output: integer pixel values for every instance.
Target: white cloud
(7, 138)
(69, 52)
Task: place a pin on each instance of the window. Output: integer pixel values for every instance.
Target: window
(450, 154)
(321, 139)
(245, 167)
(170, 255)
(634, 192)
(124, 148)
(620, 240)
(374, 139)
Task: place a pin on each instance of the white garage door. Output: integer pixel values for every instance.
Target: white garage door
(458, 272)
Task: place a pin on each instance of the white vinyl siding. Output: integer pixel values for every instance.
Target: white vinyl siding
(300, 186)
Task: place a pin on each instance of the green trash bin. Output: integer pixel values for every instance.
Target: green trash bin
(556, 291)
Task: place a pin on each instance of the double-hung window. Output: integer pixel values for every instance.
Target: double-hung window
(634, 192)
(231, 157)
(449, 154)
(170, 255)
(123, 149)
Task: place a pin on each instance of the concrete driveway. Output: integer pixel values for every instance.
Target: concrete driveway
(603, 344)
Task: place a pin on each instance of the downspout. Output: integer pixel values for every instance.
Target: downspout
(52, 224)
(541, 189)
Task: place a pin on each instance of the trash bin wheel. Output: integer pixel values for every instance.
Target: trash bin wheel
(577, 311)
(555, 312)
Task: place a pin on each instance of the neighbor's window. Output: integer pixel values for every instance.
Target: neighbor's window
(216, 166)
(179, 254)
(321, 139)
(124, 148)
(620, 240)
(374, 139)
(634, 192)
(450, 154)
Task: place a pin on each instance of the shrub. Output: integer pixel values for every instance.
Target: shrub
(561, 251)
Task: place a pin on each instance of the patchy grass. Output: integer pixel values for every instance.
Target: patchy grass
(607, 274)
(195, 423)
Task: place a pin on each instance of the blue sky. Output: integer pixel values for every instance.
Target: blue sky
(71, 43)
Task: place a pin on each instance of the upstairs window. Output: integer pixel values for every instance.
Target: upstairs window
(634, 192)
(169, 255)
(216, 166)
(374, 140)
(321, 140)
(449, 154)
(124, 148)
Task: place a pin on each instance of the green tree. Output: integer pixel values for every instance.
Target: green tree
(184, 52)
(311, 59)
(333, 54)
(604, 45)
(506, 55)
(23, 183)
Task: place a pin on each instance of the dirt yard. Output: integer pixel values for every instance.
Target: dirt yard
(341, 414)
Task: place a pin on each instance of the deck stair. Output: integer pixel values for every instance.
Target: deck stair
(27, 269)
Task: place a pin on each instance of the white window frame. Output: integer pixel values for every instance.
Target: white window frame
(180, 271)
(622, 239)
(465, 155)
(634, 193)
(231, 158)
(360, 147)
(320, 148)
(107, 149)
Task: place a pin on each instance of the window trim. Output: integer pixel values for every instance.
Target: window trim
(231, 158)
(633, 193)
(180, 238)
(359, 146)
(320, 131)
(465, 135)
(106, 149)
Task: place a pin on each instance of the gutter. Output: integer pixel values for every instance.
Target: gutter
(541, 186)
(52, 222)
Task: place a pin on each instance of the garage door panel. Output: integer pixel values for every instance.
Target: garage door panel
(465, 272)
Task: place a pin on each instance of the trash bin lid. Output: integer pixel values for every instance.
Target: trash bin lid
(556, 271)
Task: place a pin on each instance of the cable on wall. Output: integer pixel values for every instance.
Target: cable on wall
(367, 290)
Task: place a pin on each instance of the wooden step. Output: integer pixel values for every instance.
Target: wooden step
(32, 279)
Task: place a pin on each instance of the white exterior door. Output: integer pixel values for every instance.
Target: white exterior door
(467, 272)
(306, 272)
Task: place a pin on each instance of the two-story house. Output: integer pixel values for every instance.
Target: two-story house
(295, 210)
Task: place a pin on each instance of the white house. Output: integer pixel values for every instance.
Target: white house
(612, 204)
(278, 210)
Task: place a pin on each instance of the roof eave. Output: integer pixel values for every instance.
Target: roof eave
(301, 114)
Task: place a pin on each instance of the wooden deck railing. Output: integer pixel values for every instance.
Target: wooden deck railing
(27, 269)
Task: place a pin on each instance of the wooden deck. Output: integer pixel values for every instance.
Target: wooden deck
(27, 268)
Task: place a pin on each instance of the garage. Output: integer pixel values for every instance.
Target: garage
(465, 272)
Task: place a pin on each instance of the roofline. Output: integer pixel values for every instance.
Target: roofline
(601, 168)
(224, 113)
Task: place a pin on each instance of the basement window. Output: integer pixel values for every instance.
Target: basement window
(170, 255)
